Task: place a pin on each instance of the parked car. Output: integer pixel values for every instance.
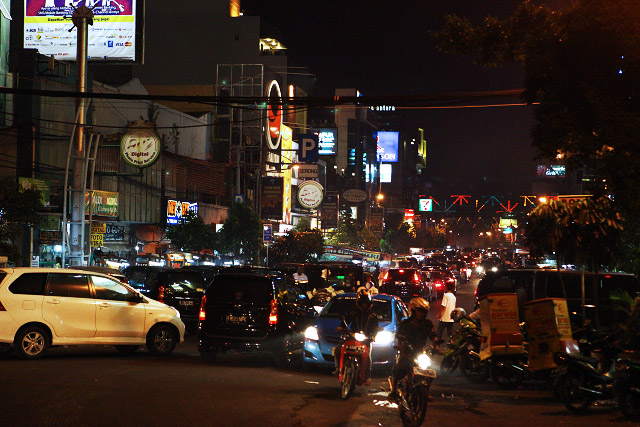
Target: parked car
(249, 312)
(322, 337)
(533, 284)
(405, 283)
(44, 307)
(462, 269)
(180, 289)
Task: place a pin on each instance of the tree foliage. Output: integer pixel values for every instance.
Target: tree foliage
(297, 246)
(18, 207)
(241, 233)
(191, 234)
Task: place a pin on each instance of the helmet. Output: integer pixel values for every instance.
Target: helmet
(418, 303)
(458, 313)
(363, 298)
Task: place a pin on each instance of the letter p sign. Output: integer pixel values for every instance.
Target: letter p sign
(308, 148)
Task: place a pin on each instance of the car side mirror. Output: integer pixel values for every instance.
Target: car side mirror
(137, 298)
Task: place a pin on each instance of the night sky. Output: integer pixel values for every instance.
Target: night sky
(384, 48)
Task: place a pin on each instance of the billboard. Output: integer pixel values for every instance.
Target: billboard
(388, 146)
(329, 211)
(425, 205)
(551, 171)
(111, 37)
(177, 210)
(385, 172)
(327, 140)
(271, 201)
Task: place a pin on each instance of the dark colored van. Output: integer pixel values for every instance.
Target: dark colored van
(252, 312)
(405, 283)
(536, 284)
(180, 289)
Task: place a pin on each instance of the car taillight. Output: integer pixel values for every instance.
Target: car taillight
(202, 314)
(386, 275)
(416, 278)
(161, 294)
(273, 314)
(2, 307)
(438, 284)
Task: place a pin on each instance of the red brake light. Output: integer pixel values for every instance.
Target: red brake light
(273, 313)
(2, 307)
(202, 314)
(400, 271)
(386, 276)
(161, 294)
(415, 277)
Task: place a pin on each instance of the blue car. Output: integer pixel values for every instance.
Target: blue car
(321, 338)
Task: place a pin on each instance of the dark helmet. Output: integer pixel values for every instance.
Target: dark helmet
(363, 298)
(418, 303)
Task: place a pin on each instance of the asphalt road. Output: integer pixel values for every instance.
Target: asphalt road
(97, 386)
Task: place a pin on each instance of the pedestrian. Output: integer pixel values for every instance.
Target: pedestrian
(446, 308)
(369, 285)
(299, 276)
(383, 272)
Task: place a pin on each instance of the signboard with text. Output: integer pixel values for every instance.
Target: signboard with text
(105, 203)
(177, 210)
(388, 147)
(327, 139)
(329, 211)
(271, 200)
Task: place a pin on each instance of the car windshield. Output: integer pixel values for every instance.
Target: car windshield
(339, 307)
(185, 281)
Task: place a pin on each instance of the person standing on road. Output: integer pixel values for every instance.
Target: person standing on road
(446, 308)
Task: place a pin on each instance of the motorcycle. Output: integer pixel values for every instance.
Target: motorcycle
(586, 379)
(413, 390)
(354, 357)
(627, 387)
(462, 352)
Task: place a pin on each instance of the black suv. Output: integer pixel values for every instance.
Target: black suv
(405, 283)
(249, 312)
(180, 289)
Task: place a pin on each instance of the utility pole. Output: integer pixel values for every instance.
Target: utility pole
(82, 18)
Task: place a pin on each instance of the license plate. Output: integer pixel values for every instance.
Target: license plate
(185, 303)
(429, 373)
(354, 349)
(236, 319)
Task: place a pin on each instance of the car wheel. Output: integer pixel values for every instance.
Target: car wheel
(161, 340)
(127, 349)
(284, 355)
(31, 342)
(209, 355)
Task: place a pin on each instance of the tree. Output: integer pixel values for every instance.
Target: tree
(582, 65)
(241, 233)
(347, 232)
(18, 207)
(295, 246)
(191, 234)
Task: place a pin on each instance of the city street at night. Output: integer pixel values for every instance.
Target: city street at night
(98, 386)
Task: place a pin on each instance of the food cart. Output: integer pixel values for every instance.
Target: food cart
(501, 334)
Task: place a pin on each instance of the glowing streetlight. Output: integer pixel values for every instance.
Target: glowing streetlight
(542, 199)
(380, 196)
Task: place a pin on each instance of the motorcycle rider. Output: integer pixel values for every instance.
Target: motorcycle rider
(413, 334)
(364, 319)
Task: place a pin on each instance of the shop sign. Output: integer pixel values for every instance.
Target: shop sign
(307, 171)
(177, 210)
(354, 195)
(105, 203)
(329, 211)
(99, 227)
(50, 237)
(114, 233)
(271, 202)
(310, 194)
(140, 147)
(274, 115)
(97, 240)
(49, 222)
(376, 221)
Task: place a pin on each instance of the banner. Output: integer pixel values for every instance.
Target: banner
(42, 185)
(112, 35)
(329, 211)
(105, 203)
(271, 201)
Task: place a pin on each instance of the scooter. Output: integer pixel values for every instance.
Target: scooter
(413, 390)
(465, 339)
(627, 387)
(354, 357)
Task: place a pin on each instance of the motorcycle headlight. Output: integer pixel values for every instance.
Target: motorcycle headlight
(384, 337)
(423, 361)
(479, 269)
(360, 337)
(494, 269)
(311, 333)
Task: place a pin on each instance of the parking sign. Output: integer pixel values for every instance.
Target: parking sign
(267, 233)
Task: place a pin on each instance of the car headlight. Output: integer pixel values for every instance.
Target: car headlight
(384, 337)
(359, 336)
(479, 269)
(311, 333)
(423, 361)
(494, 268)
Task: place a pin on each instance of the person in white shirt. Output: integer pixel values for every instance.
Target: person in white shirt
(444, 315)
(299, 276)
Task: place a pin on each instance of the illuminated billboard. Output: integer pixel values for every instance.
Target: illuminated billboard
(388, 147)
(425, 205)
(385, 172)
(551, 171)
(111, 37)
(327, 139)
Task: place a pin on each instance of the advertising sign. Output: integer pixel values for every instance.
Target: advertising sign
(308, 148)
(385, 172)
(99, 227)
(508, 222)
(500, 325)
(105, 203)
(327, 139)
(177, 210)
(310, 194)
(267, 233)
(425, 205)
(140, 147)
(308, 171)
(354, 195)
(114, 233)
(551, 171)
(329, 211)
(50, 237)
(97, 240)
(376, 222)
(111, 37)
(42, 185)
(388, 146)
(271, 201)
(274, 115)
(549, 331)
(286, 143)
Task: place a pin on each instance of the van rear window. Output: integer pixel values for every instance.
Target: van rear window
(28, 284)
(240, 289)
